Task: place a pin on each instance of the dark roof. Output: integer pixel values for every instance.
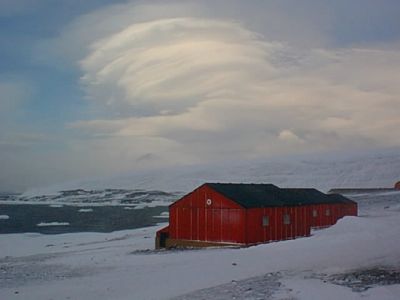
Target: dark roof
(340, 198)
(305, 196)
(248, 195)
(269, 195)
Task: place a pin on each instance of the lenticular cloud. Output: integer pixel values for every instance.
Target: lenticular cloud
(170, 65)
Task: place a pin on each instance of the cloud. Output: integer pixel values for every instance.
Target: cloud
(208, 88)
(171, 65)
(287, 135)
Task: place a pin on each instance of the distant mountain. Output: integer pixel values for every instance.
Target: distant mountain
(324, 173)
(132, 199)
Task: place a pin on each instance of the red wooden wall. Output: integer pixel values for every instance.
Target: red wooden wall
(206, 215)
(195, 217)
(328, 214)
(276, 230)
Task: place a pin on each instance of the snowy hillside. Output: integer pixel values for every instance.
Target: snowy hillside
(92, 197)
(367, 170)
(358, 258)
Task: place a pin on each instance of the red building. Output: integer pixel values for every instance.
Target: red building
(397, 186)
(246, 214)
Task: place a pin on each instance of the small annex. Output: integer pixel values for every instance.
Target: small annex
(397, 185)
(217, 214)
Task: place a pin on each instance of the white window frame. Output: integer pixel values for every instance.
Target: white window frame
(286, 219)
(265, 221)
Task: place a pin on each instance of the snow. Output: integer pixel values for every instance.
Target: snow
(43, 224)
(56, 205)
(306, 289)
(119, 265)
(364, 170)
(163, 186)
(163, 215)
(85, 210)
(4, 217)
(103, 197)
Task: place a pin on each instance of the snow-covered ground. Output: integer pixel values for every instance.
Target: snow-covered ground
(122, 265)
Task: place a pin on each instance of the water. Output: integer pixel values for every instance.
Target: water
(26, 217)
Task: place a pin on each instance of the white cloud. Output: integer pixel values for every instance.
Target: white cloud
(287, 135)
(173, 64)
(210, 88)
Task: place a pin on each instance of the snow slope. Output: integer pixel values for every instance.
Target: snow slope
(119, 266)
(325, 172)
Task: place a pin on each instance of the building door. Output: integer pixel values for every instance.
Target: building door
(163, 239)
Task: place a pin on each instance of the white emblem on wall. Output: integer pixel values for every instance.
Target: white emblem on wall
(208, 201)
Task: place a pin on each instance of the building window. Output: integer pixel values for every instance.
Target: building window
(286, 219)
(315, 213)
(265, 221)
(328, 212)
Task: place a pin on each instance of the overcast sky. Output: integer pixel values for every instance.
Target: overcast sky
(96, 87)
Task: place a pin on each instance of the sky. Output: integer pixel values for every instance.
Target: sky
(95, 87)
